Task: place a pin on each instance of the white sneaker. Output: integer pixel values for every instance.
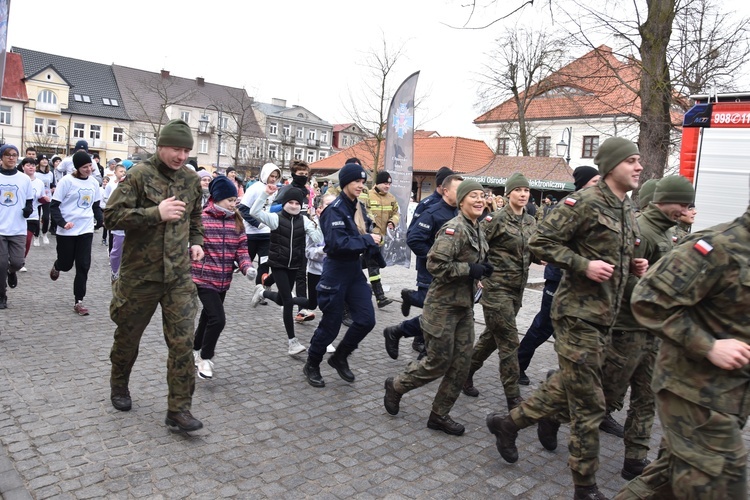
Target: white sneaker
(36, 241)
(330, 348)
(295, 347)
(23, 269)
(206, 369)
(197, 357)
(45, 240)
(257, 295)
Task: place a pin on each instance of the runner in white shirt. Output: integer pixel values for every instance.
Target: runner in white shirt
(66, 166)
(74, 207)
(44, 173)
(15, 205)
(118, 235)
(28, 165)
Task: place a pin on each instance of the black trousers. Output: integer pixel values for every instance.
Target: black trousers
(284, 281)
(211, 322)
(260, 248)
(75, 250)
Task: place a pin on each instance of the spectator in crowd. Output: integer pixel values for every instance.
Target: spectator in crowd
(48, 178)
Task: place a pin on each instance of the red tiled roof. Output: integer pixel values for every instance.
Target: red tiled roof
(341, 126)
(535, 168)
(595, 84)
(14, 88)
(426, 133)
(430, 153)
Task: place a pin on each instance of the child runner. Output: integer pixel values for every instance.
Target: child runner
(48, 178)
(32, 222)
(117, 236)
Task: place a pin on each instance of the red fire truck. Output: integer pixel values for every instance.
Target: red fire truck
(715, 156)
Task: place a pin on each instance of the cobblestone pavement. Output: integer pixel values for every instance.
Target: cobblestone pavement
(267, 432)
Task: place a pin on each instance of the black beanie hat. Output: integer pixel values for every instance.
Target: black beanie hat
(383, 177)
(292, 194)
(350, 173)
(81, 158)
(176, 133)
(582, 175)
(222, 188)
(441, 175)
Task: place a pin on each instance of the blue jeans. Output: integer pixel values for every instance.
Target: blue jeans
(411, 327)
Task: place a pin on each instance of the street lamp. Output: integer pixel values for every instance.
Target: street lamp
(203, 128)
(563, 148)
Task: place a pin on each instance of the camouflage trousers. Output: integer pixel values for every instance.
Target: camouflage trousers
(630, 362)
(501, 334)
(448, 337)
(575, 388)
(702, 455)
(133, 304)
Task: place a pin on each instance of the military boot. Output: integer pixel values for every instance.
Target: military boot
(392, 334)
(120, 397)
(445, 424)
(339, 363)
(546, 431)
(392, 398)
(514, 402)
(506, 432)
(312, 373)
(612, 426)
(633, 467)
(183, 420)
(377, 289)
(588, 493)
(469, 388)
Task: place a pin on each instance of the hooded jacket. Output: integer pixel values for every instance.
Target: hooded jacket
(253, 226)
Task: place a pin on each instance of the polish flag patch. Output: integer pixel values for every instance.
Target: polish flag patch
(570, 202)
(674, 239)
(637, 242)
(488, 218)
(703, 247)
(449, 231)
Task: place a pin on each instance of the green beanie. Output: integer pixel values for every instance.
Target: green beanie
(674, 189)
(646, 193)
(516, 180)
(176, 133)
(612, 152)
(466, 187)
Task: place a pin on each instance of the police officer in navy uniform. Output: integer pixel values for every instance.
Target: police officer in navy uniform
(342, 282)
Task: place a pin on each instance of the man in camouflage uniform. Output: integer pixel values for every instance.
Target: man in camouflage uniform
(696, 299)
(455, 261)
(591, 234)
(158, 205)
(383, 209)
(631, 355)
(507, 231)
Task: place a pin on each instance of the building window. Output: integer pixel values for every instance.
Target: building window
(38, 125)
(312, 134)
(287, 130)
(322, 155)
(95, 132)
(590, 146)
(300, 133)
(258, 152)
(345, 142)
(273, 128)
(224, 123)
(543, 146)
(223, 148)
(146, 139)
(118, 133)
(79, 130)
(287, 154)
(310, 156)
(503, 146)
(243, 152)
(86, 99)
(297, 153)
(106, 101)
(272, 151)
(5, 115)
(203, 148)
(47, 97)
(324, 137)
(114, 102)
(77, 97)
(51, 127)
(185, 116)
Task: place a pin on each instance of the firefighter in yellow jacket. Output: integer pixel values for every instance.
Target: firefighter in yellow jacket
(383, 210)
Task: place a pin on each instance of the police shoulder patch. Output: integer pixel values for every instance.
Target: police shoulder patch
(570, 202)
(703, 247)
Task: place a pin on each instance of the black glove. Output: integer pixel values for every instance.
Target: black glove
(27, 209)
(488, 269)
(476, 271)
(98, 224)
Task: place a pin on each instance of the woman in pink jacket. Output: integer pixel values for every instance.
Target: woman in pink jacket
(224, 242)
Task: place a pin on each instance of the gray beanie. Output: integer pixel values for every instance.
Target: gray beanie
(612, 152)
(466, 187)
(674, 189)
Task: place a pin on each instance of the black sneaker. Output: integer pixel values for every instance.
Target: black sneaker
(183, 420)
(12, 279)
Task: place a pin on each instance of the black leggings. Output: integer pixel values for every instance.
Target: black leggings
(284, 282)
(211, 322)
(260, 248)
(75, 249)
(44, 215)
(312, 290)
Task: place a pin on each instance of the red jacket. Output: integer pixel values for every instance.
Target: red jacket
(222, 246)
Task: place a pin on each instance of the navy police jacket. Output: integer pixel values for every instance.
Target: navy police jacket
(342, 238)
(421, 236)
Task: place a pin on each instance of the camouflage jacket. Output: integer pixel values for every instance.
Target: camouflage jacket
(457, 244)
(508, 237)
(383, 208)
(697, 294)
(591, 224)
(655, 242)
(682, 231)
(154, 250)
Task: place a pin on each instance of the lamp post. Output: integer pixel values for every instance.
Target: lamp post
(563, 148)
(203, 128)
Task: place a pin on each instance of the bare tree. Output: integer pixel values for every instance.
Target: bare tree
(518, 69)
(245, 131)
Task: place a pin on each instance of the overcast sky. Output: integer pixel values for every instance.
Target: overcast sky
(309, 53)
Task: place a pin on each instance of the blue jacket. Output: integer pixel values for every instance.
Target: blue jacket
(421, 236)
(340, 232)
(422, 206)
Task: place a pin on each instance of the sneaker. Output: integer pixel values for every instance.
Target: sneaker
(23, 270)
(113, 276)
(54, 273)
(330, 348)
(295, 347)
(104, 243)
(12, 279)
(304, 315)
(263, 278)
(257, 295)
(80, 309)
(45, 240)
(197, 357)
(206, 369)
(36, 241)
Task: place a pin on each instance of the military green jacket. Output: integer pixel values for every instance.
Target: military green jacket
(457, 244)
(591, 224)
(697, 294)
(655, 242)
(154, 250)
(682, 231)
(508, 238)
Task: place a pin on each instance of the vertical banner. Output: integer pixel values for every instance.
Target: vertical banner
(4, 13)
(399, 162)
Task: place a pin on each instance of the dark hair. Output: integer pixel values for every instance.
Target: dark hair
(298, 165)
(353, 159)
(449, 180)
(31, 148)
